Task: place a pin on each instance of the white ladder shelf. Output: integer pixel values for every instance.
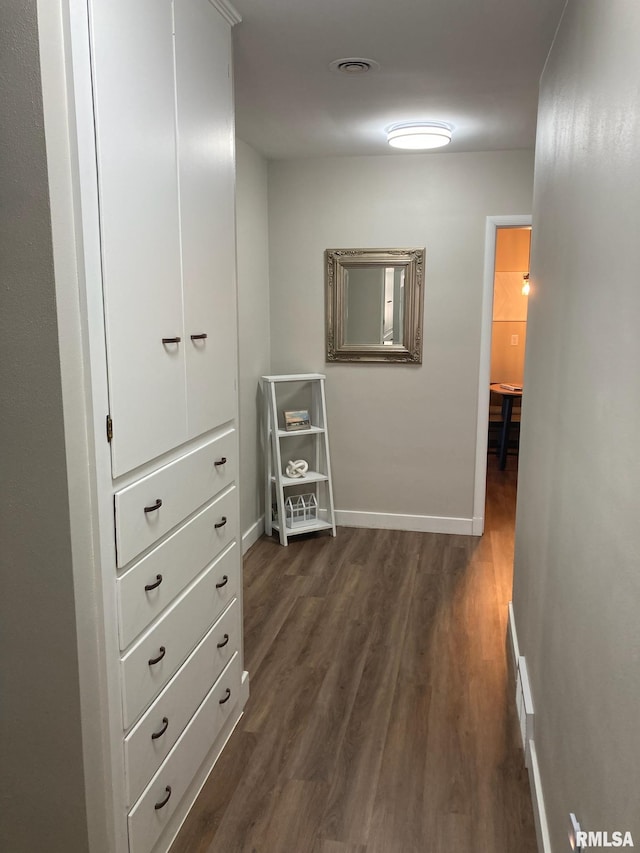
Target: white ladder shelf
(318, 479)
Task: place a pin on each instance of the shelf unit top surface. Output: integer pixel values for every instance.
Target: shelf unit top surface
(294, 377)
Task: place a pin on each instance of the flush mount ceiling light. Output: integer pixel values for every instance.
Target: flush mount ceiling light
(354, 65)
(419, 135)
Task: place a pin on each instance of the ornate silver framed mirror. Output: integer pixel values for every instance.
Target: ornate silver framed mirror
(374, 304)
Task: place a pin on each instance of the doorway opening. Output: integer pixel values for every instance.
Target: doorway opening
(501, 375)
(508, 337)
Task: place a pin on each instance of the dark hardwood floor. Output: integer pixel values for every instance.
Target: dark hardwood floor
(381, 718)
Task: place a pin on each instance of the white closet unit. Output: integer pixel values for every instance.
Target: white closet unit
(132, 57)
(205, 155)
(164, 139)
(151, 117)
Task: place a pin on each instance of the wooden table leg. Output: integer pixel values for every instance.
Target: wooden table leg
(507, 408)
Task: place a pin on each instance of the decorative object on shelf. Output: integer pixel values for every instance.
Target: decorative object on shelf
(301, 509)
(297, 420)
(296, 468)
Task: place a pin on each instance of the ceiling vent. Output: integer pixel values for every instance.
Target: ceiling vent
(354, 65)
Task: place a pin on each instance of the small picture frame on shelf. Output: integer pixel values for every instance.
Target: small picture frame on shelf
(298, 420)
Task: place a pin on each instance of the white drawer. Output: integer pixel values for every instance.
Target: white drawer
(152, 584)
(173, 709)
(152, 506)
(172, 637)
(146, 822)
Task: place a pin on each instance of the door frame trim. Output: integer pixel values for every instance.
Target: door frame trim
(484, 373)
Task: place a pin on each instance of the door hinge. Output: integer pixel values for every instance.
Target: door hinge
(109, 429)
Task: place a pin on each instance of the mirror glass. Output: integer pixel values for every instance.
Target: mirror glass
(374, 304)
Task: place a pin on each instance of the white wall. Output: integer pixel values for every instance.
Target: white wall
(577, 577)
(42, 795)
(253, 327)
(402, 437)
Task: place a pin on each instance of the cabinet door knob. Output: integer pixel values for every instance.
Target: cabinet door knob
(227, 696)
(164, 802)
(223, 643)
(165, 726)
(221, 461)
(200, 337)
(223, 582)
(155, 506)
(171, 340)
(155, 585)
(221, 523)
(163, 652)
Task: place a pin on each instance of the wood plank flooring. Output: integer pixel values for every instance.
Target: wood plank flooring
(380, 719)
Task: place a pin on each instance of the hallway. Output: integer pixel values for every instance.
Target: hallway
(380, 720)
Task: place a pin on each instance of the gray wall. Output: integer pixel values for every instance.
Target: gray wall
(42, 794)
(402, 437)
(577, 577)
(253, 324)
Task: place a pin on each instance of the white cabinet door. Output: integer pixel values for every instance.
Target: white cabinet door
(207, 186)
(134, 98)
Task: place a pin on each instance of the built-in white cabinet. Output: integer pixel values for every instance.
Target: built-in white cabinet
(152, 115)
(206, 156)
(165, 155)
(132, 58)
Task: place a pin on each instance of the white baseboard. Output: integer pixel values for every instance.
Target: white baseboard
(525, 710)
(524, 703)
(514, 647)
(477, 525)
(251, 536)
(539, 811)
(394, 521)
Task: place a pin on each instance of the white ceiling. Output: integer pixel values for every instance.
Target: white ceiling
(473, 63)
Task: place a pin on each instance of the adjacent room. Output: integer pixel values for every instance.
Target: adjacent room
(508, 339)
(319, 346)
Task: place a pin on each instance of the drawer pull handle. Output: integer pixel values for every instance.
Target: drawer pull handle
(222, 461)
(155, 585)
(223, 582)
(164, 802)
(171, 340)
(153, 661)
(201, 337)
(227, 696)
(155, 506)
(224, 642)
(165, 726)
(221, 523)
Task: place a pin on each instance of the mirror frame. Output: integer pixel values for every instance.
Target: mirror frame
(337, 262)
